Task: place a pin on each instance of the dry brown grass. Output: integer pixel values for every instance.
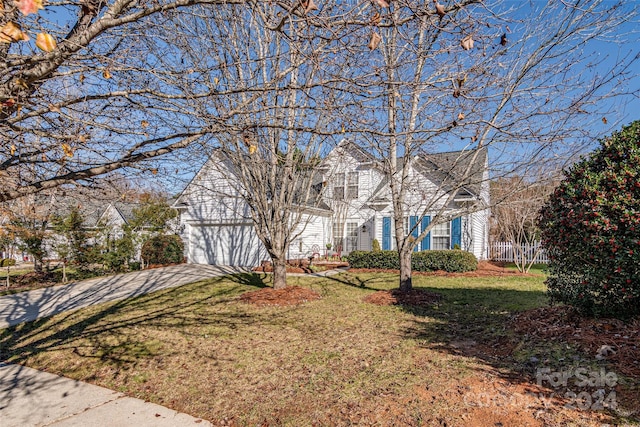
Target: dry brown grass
(335, 361)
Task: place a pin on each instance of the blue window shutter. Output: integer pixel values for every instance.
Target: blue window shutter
(386, 233)
(413, 221)
(425, 245)
(456, 232)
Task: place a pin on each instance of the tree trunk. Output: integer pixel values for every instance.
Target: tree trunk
(37, 265)
(279, 273)
(405, 271)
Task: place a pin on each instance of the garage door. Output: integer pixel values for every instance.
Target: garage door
(235, 244)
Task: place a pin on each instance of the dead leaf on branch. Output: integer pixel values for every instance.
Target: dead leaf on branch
(68, 150)
(29, 6)
(54, 108)
(11, 32)
(144, 123)
(309, 6)
(106, 74)
(503, 39)
(467, 43)
(45, 42)
(440, 9)
(376, 19)
(460, 116)
(381, 3)
(375, 41)
(13, 149)
(21, 83)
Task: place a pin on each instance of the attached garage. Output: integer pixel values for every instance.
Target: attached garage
(225, 244)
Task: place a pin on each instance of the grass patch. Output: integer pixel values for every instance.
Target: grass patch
(336, 361)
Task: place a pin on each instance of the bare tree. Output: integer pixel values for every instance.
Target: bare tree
(517, 203)
(90, 96)
(468, 77)
(268, 70)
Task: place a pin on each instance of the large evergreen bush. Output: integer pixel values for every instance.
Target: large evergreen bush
(591, 229)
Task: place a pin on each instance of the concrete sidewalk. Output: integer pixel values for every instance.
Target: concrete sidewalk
(33, 398)
(32, 305)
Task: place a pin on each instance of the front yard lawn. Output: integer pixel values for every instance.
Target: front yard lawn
(334, 361)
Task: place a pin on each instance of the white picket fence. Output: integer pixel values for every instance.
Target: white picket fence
(504, 251)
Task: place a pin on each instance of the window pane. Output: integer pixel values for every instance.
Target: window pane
(352, 236)
(353, 178)
(339, 179)
(352, 192)
(441, 230)
(439, 243)
(338, 231)
(338, 193)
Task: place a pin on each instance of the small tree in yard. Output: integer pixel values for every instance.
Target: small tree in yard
(515, 215)
(591, 228)
(72, 245)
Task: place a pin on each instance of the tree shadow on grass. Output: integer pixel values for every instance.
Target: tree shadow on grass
(253, 279)
(105, 332)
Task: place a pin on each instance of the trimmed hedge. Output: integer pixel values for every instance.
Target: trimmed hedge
(163, 249)
(7, 262)
(452, 261)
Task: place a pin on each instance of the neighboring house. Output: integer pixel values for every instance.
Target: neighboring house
(356, 208)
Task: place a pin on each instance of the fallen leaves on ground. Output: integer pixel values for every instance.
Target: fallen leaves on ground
(564, 324)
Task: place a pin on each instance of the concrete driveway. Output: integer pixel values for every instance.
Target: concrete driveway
(32, 305)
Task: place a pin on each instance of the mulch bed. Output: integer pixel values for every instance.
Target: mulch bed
(563, 324)
(415, 297)
(33, 277)
(291, 295)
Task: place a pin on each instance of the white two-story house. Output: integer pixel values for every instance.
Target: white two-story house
(356, 208)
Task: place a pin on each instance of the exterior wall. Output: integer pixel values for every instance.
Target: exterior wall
(210, 200)
(311, 237)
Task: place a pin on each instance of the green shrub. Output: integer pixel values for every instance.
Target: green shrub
(445, 260)
(163, 249)
(452, 261)
(375, 246)
(591, 230)
(135, 265)
(7, 262)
